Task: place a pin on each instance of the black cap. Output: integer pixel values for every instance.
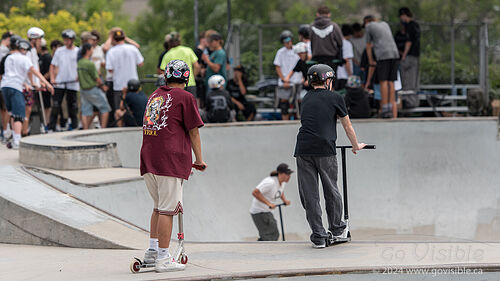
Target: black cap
(283, 169)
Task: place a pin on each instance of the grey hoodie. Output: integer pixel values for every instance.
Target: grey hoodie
(326, 37)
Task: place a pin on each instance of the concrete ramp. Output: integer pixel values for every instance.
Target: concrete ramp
(36, 214)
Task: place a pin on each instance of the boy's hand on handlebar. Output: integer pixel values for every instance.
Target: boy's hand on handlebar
(287, 202)
(359, 146)
(200, 165)
(271, 206)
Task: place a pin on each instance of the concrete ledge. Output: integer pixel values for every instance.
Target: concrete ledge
(33, 213)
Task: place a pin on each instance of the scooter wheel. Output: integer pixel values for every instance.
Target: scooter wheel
(184, 259)
(135, 266)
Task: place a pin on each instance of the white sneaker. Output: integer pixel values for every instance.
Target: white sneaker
(168, 264)
(150, 256)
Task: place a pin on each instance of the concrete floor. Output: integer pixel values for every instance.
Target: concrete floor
(247, 260)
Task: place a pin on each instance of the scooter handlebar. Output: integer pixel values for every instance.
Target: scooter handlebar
(368, 146)
(199, 167)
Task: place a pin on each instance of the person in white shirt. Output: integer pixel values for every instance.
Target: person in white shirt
(346, 70)
(265, 199)
(4, 50)
(284, 62)
(35, 36)
(122, 61)
(64, 77)
(17, 68)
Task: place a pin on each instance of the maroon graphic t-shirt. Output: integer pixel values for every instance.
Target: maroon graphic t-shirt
(166, 147)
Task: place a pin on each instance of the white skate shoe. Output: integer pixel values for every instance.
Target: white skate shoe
(150, 256)
(319, 246)
(168, 264)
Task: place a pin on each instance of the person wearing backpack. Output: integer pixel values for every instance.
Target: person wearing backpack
(219, 104)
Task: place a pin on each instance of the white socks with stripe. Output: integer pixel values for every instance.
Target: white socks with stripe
(163, 253)
(153, 244)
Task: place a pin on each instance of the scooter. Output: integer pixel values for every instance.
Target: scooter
(332, 240)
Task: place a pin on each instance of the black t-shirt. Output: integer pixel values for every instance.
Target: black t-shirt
(137, 102)
(413, 30)
(303, 67)
(318, 133)
(44, 62)
(401, 38)
(199, 52)
(160, 59)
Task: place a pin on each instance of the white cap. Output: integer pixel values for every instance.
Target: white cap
(300, 47)
(35, 32)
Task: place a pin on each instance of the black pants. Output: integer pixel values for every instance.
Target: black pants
(308, 169)
(267, 226)
(56, 107)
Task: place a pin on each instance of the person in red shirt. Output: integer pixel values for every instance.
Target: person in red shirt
(170, 132)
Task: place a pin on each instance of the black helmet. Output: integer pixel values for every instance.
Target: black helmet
(13, 41)
(320, 73)
(285, 34)
(177, 70)
(304, 30)
(133, 85)
(23, 44)
(68, 33)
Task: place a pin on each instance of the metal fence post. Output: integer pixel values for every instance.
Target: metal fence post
(452, 66)
(195, 7)
(483, 62)
(261, 67)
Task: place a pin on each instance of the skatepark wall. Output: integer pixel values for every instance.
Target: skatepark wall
(428, 178)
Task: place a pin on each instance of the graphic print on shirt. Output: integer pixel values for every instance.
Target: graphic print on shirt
(156, 115)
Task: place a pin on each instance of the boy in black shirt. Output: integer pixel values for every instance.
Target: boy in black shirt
(218, 104)
(301, 50)
(315, 152)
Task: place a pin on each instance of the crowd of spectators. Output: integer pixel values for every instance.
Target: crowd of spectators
(98, 85)
(371, 63)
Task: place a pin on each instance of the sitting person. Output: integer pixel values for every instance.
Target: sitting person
(237, 87)
(218, 101)
(131, 113)
(356, 99)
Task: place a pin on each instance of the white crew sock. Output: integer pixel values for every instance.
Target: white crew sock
(163, 253)
(153, 244)
(6, 133)
(17, 138)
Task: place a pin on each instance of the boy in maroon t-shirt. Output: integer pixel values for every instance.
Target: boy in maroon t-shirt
(170, 131)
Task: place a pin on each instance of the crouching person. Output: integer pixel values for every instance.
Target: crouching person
(265, 195)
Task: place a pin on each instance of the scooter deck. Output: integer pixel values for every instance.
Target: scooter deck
(331, 241)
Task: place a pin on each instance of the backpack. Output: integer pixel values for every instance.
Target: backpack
(2, 65)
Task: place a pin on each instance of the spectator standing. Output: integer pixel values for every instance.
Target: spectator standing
(44, 61)
(301, 66)
(326, 39)
(159, 70)
(305, 37)
(358, 41)
(4, 50)
(265, 197)
(219, 104)
(284, 62)
(216, 61)
(122, 61)
(201, 49)
(179, 52)
(64, 77)
(379, 40)
(34, 36)
(237, 87)
(346, 70)
(17, 67)
(98, 57)
(91, 94)
(400, 38)
(410, 57)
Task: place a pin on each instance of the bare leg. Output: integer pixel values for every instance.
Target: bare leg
(384, 92)
(26, 122)
(164, 230)
(85, 121)
(104, 119)
(18, 126)
(154, 225)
